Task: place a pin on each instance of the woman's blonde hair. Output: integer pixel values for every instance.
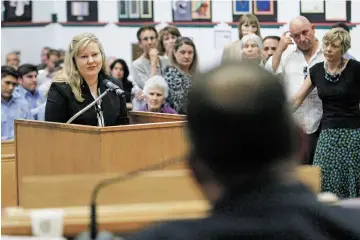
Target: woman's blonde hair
(70, 73)
(338, 34)
(185, 41)
(251, 19)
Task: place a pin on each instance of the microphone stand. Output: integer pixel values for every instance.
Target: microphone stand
(89, 106)
(122, 177)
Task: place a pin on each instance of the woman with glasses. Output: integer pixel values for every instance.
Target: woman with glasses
(338, 83)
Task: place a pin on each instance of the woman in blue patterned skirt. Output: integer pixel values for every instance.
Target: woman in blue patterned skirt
(338, 83)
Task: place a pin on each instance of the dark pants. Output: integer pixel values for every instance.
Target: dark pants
(311, 147)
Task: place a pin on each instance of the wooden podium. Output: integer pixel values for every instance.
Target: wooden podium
(44, 148)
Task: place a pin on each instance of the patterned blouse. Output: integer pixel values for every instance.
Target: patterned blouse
(179, 85)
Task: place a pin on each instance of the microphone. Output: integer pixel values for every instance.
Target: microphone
(93, 234)
(88, 106)
(110, 85)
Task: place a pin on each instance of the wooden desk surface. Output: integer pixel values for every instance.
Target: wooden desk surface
(113, 218)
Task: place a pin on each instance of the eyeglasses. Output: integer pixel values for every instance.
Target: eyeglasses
(148, 38)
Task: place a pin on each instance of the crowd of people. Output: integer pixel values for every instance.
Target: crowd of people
(320, 78)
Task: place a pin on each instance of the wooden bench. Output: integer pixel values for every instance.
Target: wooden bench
(7, 147)
(148, 187)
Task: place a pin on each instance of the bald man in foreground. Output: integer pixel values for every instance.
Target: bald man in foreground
(243, 140)
(297, 52)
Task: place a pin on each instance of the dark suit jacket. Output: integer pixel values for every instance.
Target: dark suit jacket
(267, 212)
(61, 105)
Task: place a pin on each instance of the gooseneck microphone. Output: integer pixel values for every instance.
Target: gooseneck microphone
(88, 106)
(110, 85)
(106, 182)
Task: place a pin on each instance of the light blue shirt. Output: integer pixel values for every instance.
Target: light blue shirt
(15, 108)
(349, 56)
(35, 100)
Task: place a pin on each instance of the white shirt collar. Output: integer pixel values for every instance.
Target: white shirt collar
(319, 50)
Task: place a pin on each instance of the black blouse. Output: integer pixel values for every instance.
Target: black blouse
(340, 99)
(61, 105)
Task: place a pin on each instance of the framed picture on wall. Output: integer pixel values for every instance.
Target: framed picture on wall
(123, 7)
(146, 9)
(315, 6)
(326, 11)
(335, 10)
(82, 11)
(136, 51)
(242, 7)
(181, 10)
(263, 7)
(17, 11)
(201, 10)
(134, 9)
(265, 10)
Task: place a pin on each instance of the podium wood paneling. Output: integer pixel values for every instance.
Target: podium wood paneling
(75, 190)
(7, 147)
(59, 149)
(9, 196)
(145, 117)
(155, 186)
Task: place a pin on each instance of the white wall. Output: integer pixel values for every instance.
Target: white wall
(117, 40)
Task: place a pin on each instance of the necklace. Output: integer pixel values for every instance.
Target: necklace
(334, 77)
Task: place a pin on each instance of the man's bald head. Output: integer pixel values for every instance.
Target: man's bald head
(299, 20)
(238, 115)
(303, 33)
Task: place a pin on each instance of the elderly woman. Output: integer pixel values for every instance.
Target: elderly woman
(184, 63)
(156, 91)
(251, 46)
(80, 82)
(338, 148)
(248, 24)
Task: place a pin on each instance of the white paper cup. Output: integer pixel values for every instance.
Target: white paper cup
(47, 222)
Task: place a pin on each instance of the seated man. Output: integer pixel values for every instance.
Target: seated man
(12, 106)
(44, 78)
(243, 140)
(148, 64)
(13, 59)
(270, 44)
(28, 90)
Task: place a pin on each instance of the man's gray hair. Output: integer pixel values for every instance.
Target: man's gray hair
(156, 81)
